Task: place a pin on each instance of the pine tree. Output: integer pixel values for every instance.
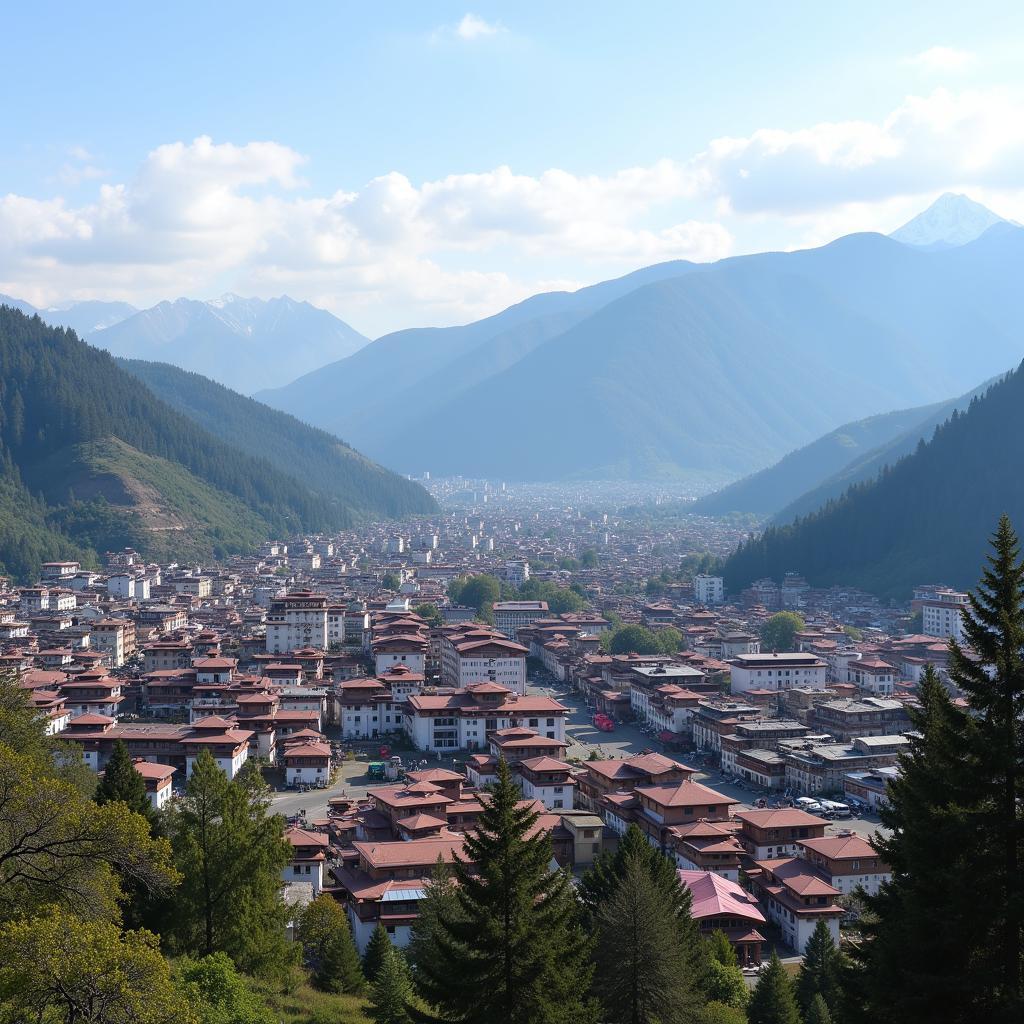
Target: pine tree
(121, 781)
(721, 949)
(439, 905)
(230, 852)
(773, 1000)
(821, 972)
(922, 926)
(515, 951)
(945, 935)
(599, 884)
(376, 950)
(392, 991)
(992, 680)
(339, 969)
(818, 1012)
(642, 973)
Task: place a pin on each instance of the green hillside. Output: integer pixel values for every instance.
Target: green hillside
(924, 520)
(91, 459)
(313, 456)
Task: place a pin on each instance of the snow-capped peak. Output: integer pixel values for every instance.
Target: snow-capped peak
(950, 221)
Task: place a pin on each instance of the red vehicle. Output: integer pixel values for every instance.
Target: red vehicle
(603, 722)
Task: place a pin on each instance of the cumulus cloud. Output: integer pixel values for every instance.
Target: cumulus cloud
(203, 212)
(928, 142)
(942, 59)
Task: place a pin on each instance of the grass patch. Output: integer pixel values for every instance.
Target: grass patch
(307, 1005)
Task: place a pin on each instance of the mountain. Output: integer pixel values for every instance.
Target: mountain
(951, 220)
(869, 464)
(246, 344)
(84, 317)
(924, 520)
(710, 371)
(91, 459)
(323, 462)
(771, 489)
(419, 370)
(805, 479)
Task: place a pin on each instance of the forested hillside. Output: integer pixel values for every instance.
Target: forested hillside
(109, 463)
(313, 456)
(922, 520)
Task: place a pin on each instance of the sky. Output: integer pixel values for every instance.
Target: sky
(411, 163)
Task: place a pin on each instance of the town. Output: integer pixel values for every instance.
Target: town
(379, 677)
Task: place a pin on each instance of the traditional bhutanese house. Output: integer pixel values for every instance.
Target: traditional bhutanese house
(720, 904)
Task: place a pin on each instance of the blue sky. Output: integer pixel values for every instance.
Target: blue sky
(428, 163)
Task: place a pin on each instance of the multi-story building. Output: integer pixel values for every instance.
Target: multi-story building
(708, 590)
(463, 719)
(473, 655)
(299, 619)
(116, 637)
(847, 862)
(770, 833)
(942, 613)
(821, 767)
(778, 672)
(796, 898)
(720, 904)
(510, 615)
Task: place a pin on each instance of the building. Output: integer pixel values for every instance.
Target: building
(822, 767)
(516, 572)
(769, 834)
(848, 862)
(510, 615)
(159, 787)
(307, 763)
(622, 775)
(942, 613)
(548, 780)
(708, 590)
(309, 853)
(778, 672)
(298, 619)
(115, 637)
(464, 719)
(479, 654)
(720, 904)
(796, 898)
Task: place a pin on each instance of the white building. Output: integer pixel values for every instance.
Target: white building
(942, 615)
(464, 719)
(708, 590)
(298, 619)
(128, 586)
(778, 672)
(516, 572)
(510, 615)
(466, 659)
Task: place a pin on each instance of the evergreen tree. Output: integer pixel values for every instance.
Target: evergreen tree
(818, 1012)
(121, 781)
(643, 974)
(439, 906)
(821, 972)
(317, 924)
(773, 1000)
(721, 949)
(921, 927)
(991, 677)
(376, 949)
(392, 990)
(599, 884)
(338, 969)
(230, 852)
(515, 951)
(945, 936)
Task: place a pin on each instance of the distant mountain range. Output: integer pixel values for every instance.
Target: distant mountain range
(91, 459)
(706, 371)
(804, 480)
(925, 519)
(246, 344)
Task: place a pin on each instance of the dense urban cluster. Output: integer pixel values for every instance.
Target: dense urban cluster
(515, 673)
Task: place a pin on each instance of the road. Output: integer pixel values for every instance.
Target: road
(584, 737)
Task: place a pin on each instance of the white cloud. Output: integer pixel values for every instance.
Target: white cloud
(473, 27)
(975, 137)
(942, 59)
(202, 216)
